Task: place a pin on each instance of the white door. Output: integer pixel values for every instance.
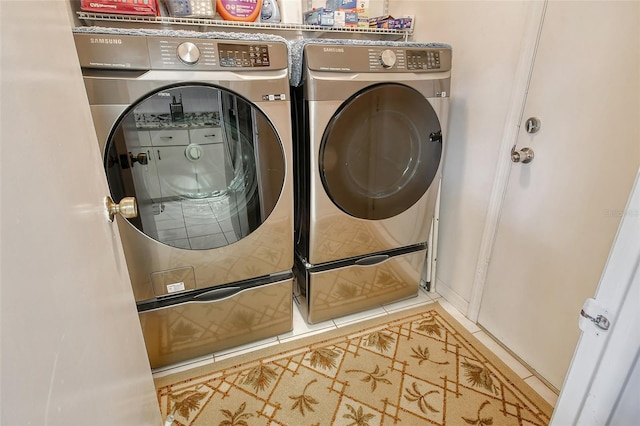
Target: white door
(72, 347)
(561, 211)
(603, 383)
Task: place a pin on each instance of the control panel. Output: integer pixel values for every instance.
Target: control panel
(376, 59)
(167, 53)
(176, 53)
(401, 59)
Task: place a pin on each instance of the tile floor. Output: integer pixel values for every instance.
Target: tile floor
(302, 329)
(195, 223)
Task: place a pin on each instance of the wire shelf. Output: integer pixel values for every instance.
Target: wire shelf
(204, 22)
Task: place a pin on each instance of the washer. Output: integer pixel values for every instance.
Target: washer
(198, 130)
(368, 165)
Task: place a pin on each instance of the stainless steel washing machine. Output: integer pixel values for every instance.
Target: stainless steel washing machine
(198, 130)
(369, 149)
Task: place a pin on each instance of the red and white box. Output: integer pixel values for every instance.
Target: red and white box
(126, 7)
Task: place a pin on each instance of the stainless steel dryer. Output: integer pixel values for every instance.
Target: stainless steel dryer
(368, 164)
(198, 130)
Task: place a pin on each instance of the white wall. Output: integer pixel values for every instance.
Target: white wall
(486, 37)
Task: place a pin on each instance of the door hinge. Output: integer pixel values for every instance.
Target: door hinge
(592, 313)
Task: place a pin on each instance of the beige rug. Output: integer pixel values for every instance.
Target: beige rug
(416, 367)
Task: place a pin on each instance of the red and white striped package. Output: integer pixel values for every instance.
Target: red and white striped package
(130, 7)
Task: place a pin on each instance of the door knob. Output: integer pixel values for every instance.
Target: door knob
(525, 155)
(140, 158)
(127, 208)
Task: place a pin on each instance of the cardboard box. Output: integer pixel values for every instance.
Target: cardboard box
(390, 22)
(367, 9)
(323, 17)
(341, 4)
(400, 23)
(311, 17)
(338, 18)
(350, 19)
(128, 7)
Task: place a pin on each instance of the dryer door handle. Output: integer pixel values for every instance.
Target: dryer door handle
(372, 260)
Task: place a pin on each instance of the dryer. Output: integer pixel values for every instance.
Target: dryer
(368, 164)
(198, 129)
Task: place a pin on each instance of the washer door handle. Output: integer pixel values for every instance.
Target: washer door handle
(435, 136)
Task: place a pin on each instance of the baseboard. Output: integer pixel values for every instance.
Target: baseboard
(451, 296)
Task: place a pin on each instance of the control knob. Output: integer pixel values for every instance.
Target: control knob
(188, 53)
(387, 58)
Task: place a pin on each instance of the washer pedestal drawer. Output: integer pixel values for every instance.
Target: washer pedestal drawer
(180, 332)
(332, 293)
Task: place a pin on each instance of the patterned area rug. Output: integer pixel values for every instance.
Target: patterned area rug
(411, 368)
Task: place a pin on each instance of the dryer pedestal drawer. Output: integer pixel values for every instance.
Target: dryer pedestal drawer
(180, 332)
(332, 293)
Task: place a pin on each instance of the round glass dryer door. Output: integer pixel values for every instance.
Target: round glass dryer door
(205, 165)
(380, 151)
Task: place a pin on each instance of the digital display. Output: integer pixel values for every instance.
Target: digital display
(243, 55)
(423, 59)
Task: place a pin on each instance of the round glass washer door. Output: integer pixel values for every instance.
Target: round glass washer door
(381, 151)
(206, 166)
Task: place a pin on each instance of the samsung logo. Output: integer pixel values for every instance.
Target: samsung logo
(106, 40)
(333, 49)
